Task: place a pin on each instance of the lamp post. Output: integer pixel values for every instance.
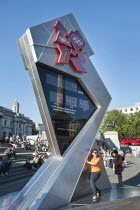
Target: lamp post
(111, 124)
(39, 129)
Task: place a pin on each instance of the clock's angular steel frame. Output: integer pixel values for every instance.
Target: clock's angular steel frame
(55, 182)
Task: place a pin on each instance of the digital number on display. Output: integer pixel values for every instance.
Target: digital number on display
(72, 86)
(69, 100)
(56, 97)
(83, 104)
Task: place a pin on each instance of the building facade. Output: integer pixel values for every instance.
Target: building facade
(130, 109)
(14, 123)
(39, 128)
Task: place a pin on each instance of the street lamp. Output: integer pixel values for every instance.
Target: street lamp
(38, 129)
(111, 124)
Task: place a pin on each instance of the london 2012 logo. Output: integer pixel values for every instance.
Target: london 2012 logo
(77, 40)
(70, 45)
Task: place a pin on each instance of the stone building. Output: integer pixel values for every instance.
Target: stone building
(14, 123)
(130, 109)
(39, 128)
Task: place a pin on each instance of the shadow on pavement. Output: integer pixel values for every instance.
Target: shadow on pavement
(134, 181)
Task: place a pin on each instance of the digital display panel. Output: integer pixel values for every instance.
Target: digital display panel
(69, 105)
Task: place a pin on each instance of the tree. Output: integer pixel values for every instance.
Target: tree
(125, 125)
(34, 131)
(115, 121)
(134, 124)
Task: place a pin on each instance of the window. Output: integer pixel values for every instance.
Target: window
(4, 135)
(10, 124)
(131, 109)
(137, 108)
(10, 134)
(125, 110)
(5, 122)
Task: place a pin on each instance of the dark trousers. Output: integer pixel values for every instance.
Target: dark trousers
(35, 165)
(94, 176)
(7, 166)
(2, 169)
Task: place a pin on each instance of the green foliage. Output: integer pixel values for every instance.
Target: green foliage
(34, 131)
(125, 125)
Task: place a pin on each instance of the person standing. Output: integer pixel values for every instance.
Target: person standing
(113, 159)
(95, 173)
(105, 158)
(109, 156)
(118, 166)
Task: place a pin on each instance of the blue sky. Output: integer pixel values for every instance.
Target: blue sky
(111, 27)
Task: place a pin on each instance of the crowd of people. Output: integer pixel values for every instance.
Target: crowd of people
(109, 157)
(34, 160)
(41, 145)
(24, 143)
(114, 159)
(16, 142)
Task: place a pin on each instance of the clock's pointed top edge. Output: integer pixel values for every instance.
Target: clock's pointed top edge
(74, 25)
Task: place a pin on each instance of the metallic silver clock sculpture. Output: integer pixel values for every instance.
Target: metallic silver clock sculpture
(72, 100)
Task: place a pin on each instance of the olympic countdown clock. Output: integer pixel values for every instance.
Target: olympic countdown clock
(72, 100)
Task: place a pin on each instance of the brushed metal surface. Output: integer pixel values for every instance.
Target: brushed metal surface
(58, 189)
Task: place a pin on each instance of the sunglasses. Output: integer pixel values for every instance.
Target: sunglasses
(95, 152)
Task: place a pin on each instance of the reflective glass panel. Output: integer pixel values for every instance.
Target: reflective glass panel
(69, 105)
